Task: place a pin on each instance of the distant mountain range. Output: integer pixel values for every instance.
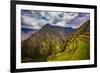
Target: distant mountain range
(26, 33)
(66, 30)
(53, 43)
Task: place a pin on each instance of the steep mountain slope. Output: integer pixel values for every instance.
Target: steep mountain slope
(53, 43)
(47, 41)
(76, 47)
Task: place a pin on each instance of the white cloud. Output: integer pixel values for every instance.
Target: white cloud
(39, 18)
(61, 23)
(69, 16)
(30, 22)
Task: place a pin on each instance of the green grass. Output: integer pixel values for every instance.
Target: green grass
(79, 51)
(82, 52)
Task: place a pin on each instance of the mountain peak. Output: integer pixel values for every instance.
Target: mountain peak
(47, 24)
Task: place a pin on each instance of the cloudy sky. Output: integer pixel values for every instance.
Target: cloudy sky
(34, 19)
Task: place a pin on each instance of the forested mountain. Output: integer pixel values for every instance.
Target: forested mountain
(76, 47)
(54, 43)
